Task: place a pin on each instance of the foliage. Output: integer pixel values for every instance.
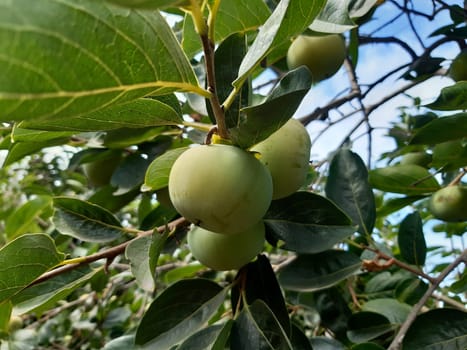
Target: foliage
(353, 259)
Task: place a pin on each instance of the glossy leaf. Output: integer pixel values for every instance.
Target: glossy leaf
(17, 271)
(333, 18)
(157, 174)
(259, 282)
(347, 186)
(309, 272)
(407, 179)
(140, 113)
(46, 295)
(439, 329)
(393, 310)
(257, 328)
(288, 19)
(260, 121)
(307, 222)
(365, 326)
(411, 239)
(88, 74)
(143, 254)
(188, 313)
(214, 337)
(85, 221)
(451, 98)
(24, 217)
(442, 129)
(299, 340)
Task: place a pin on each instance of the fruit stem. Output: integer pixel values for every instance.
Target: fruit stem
(458, 178)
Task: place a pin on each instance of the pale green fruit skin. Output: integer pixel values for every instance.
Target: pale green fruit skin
(458, 69)
(449, 204)
(226, 252)
(221, 188)
(323, 55)
(286, 153)
(417, 158)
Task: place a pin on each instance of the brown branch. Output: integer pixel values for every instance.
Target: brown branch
(397, 341)
(108, 254)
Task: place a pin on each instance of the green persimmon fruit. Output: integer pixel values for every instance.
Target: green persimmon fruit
(226, 252)
(221, 188)
(286, 153)
(323, 55)
(417, 158)
(99, 172)
(449, 204)
(458, 69)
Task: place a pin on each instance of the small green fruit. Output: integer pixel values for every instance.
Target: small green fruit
(286, 153)
(323, 55)
(450, 204)
(417, 158)
(221, 188)
(99, 172)
(458, 69)
(226, 252)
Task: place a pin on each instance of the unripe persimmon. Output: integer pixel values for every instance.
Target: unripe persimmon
(449, 204)
(286, 153)
(226, 252)
(458, 69)
(221, 188)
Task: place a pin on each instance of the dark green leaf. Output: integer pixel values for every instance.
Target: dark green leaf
(288, 19)
(307, 222)
(442, 129)
(439, 329)
(410, 290)
(367, 346)
(407, 179)
(211, 338)
(157, 174)
(190, 304)
(140, 113)
(347, 186)
(325, 343)
(411, 239)
(259, 282)
(365, 326)
(116, 55)
(260, 121)
(256, 328)
(309, 272)
(451, 98)
(130, 173)
(393, 310)
(299, 340)
(38, 255)
(84, 220)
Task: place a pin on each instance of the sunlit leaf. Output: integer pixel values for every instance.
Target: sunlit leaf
(393, 310)
(333, 18)
(157, 174)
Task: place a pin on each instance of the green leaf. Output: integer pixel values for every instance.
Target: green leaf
(108, 56)
(238, 16)
(365, 326)
(360, 8)
(24, 217)
(130, 173)
(259, 282)
(124, 342)
(5, 313)
(325, 343)
(407, 179)
(85, 221)
(150, 4)
(307, 222)
(214, 337)
(38, 254)
(257, 328)
(190, 304)
(310, 272)
(439, 329)
(20, 134)
(367, 346)
(410, 291)
(143, 254)
(299, 340)
(411, 239)
(43, 296)
(288, 19)
(333, 18)
(394, 204)
(450, 155)
(451, 98)
(262, 120)
(140, 113)
(442, 129)
(347, 186)
(393, 310)
(157, 174)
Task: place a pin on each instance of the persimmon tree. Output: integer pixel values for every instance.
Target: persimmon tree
(98, 99)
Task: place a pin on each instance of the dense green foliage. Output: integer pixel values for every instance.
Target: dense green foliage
(101, 99)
